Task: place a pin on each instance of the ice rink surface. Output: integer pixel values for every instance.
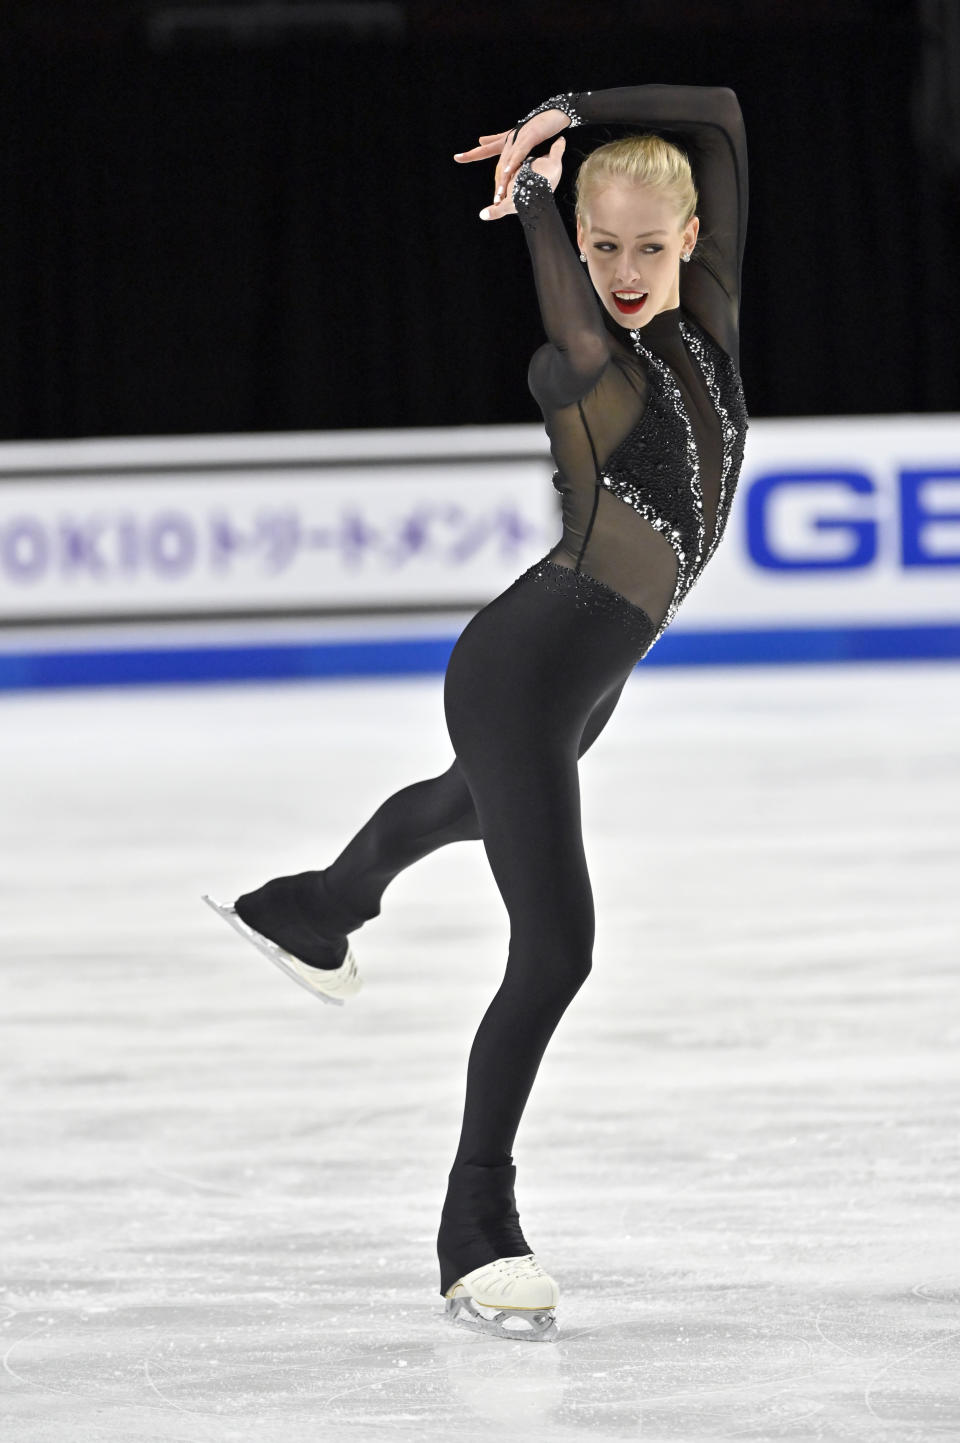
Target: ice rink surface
(741, 1158)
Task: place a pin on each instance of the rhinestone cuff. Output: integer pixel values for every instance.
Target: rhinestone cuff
(559, 102)
(530, 190)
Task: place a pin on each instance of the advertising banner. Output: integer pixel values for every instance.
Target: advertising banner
(843, 543)
(839, 520)
(344, 523)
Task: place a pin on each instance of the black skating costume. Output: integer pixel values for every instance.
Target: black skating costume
(647, 430)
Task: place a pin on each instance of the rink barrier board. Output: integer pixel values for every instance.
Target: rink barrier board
(429, 656)
(129, 561)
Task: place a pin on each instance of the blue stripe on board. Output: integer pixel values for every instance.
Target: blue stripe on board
(399, 656)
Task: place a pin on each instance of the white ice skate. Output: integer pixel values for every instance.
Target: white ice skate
(508, 1298)
(329, 984)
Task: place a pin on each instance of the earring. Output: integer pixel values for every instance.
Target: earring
(582, 256)
(685, 256)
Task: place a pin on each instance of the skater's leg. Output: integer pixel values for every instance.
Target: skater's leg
(537, 857)
(600, 715)
(537, 682)
(311, 913)
(415, 822)
(409, 825)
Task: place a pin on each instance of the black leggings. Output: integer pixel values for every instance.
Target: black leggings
(531, 682)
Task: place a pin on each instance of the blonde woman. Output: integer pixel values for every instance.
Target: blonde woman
(640, 391)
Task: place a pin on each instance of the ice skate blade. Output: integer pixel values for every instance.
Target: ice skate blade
(529, 1325)
(329, 985)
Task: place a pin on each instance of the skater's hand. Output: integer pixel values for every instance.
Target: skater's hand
(512, 146)
(550, 165)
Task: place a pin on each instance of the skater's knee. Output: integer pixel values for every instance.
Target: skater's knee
(463, 824)
(560, 968)
(563, 978)
(578, 969)
(572, 945)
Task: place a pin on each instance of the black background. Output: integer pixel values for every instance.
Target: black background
(246, 217)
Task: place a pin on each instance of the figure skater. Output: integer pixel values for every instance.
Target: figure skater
(641, 396)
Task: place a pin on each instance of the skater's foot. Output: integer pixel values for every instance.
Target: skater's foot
(329, 984)
(511, 1298)
(290, 912)
(489, 1277)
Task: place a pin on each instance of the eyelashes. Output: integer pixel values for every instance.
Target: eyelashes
(599, 245)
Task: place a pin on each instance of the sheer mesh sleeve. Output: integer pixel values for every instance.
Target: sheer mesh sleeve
(709, 123)
(578, 349)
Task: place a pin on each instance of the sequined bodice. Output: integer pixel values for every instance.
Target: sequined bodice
(656, 469)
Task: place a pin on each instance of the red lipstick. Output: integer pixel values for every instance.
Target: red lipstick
(629, 308)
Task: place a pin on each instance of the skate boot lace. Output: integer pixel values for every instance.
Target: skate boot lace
(518, 1268)
(507, 1274)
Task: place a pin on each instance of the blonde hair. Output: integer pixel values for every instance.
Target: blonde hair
(640, 160)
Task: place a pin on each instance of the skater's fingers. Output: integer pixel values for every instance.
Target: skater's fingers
(489, 145)
(498, 211)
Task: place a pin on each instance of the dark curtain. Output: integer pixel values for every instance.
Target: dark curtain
(239, 235)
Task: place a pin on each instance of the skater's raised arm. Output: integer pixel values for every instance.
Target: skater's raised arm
(709, 120)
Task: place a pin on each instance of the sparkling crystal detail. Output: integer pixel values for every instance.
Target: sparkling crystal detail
(596, 597)
(559, 102)
(530, 191)
(733, 428)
